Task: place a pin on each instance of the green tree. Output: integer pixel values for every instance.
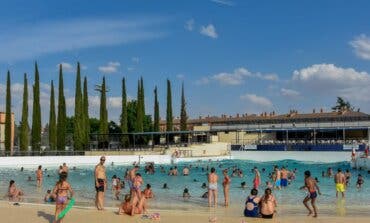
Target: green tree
(341, 104)
(24, 128)
(139, 109)
(8, 116)
(124, 127)
(36, 113)
(169, 116)
(61, 120)
(156, 116)
(142, 99)
(52, 121)
(131, 116)
(103, 130)
(79, 119)
(86, 115)
(183, 115)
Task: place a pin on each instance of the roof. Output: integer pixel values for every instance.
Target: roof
(283, 118)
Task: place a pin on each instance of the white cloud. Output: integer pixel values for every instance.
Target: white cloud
(238, 76)
(189, 25)
(111, 67)
(135, 59)
(257, 100)
(67, 67)
(223, 2)
(361, 46)
(333, 81)
(202, 81)
(209, 31)
(23, 41)
(290, 93)
(180, 76)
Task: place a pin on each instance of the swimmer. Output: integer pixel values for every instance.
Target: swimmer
(340, 181)
(268, 204)
(186, 194)
(39, 176)
(49, 197)
(14, 193)
(148, 193)
(277, 178)
(165, 186)
(243, 185)
(348, 177)
(284, 177)
(204, 186)
(226, 186)
(360, 181)
(312, 187)
(65, 168)
(252, 204)
(100, 184)
(212, 187)
(269, 185)
(257, 178)
(185, 171)
(205, 195)
(61, 189)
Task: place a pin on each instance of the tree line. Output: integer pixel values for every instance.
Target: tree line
(133, 118)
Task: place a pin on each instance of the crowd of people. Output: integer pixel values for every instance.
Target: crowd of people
(135, 202)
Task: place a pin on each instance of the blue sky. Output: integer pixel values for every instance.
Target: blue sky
(234, 56)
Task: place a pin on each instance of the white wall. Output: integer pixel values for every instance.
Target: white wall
(265, 156)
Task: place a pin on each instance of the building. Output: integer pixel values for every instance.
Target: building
(2, 131)
(344, 127)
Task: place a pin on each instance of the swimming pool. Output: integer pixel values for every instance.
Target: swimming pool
(82, 181)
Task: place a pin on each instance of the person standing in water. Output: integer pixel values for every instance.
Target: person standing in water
(313, 189)
(39, 176)
(277, 178)
(340, 182)
(226, 186)
(284, 177)
(100, 184)
(61, 190)
(212, 187)
(257, 178)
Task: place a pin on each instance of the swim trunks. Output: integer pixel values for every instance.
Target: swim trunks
(61, 199)
(101, 184)
(312, 195)
(212, 186)
(284, 182)
(278, 183)
(340, 187)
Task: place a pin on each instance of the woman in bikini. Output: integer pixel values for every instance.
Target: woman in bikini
(61, 190)
(14, 193)
(226, 186)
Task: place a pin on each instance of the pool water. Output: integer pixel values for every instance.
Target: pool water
(82, 181)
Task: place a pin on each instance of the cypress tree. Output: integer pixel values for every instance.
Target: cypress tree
(103, 128)
(8, 116)
(142, 99)
(139, 109)
(36, 113)
(183, 115)
(86, 114)
(24, 139)
(124, 124)
(78, 133)
(169, 117)
(156, 115)
(61, 123)
(52, 121)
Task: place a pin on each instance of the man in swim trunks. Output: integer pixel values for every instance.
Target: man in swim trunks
(212, 187)
(100, 184)
(311, 185)
(39, 176)
(284, 177)
(340, 182)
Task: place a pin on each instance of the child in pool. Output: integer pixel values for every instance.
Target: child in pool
(186, 194)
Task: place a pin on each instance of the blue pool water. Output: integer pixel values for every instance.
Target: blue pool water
(82, 182)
